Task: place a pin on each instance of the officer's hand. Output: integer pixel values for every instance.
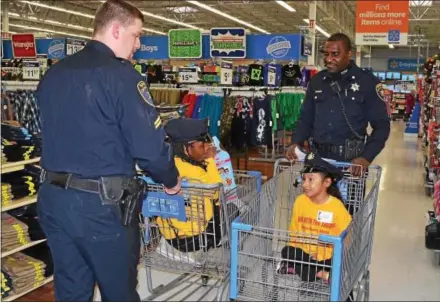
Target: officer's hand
(175, 189)
(291, 153)
(361, 166)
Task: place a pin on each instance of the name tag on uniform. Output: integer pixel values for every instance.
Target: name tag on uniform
(318, 91)
(325, 217)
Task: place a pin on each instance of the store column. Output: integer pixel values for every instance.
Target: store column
(5, 17)
(312, 29)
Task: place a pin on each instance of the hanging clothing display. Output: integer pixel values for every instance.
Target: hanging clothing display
(256, 75)
(261, 122)
(291, 75)
(289, 108)
(211, 107)
(25, 109)
(272, 74)
(242, 123)
(226, 120)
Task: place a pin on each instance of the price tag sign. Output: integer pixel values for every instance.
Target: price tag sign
(226, 74)
(74, 45)
(31, 70)
(271, 75)
(188, 75)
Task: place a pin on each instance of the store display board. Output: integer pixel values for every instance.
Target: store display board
(382, 22)
(23, 46)
(400, 65)
(228, 42)
(265, 47)
(74, 45)
(184, 43)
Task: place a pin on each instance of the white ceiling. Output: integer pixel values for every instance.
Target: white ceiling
(64, 17)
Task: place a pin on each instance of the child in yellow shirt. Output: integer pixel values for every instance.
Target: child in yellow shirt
(319, 210)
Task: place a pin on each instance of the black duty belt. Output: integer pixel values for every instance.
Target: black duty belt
(67, 180)
(331, 149)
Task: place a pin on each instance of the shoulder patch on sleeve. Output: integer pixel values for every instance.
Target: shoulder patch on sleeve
(380, 90)
(145, 94)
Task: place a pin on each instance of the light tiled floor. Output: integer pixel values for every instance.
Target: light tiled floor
(402, 269)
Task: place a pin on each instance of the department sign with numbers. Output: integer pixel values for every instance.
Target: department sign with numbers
(74, 45)
(31, 70)
(185, 43)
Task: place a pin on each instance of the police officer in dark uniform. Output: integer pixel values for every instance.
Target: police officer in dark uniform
(98, 119)
(340, 102)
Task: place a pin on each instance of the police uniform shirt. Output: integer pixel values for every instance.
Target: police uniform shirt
(98, 118)
(322, 117)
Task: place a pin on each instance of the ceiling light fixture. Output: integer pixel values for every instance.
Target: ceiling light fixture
(286, 6)
(318, 28)
(168, 20)
(50, 22)
(47, 30)
(216, 11)
(59, 9)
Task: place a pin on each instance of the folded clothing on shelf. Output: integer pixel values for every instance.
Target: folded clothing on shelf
(14, 233)
(29, 217)
(18, 144)
(6, 284)
(17, 185)
(42, 253)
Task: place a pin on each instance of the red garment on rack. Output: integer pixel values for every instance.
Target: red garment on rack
(190, 100)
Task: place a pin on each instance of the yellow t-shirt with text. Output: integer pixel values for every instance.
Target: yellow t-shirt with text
(308, 218)
(197, 219)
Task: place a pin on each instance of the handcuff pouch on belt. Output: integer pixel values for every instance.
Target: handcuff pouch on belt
(125, 193)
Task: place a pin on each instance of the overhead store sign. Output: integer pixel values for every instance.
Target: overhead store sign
(382, 22)
(228, 42)
(185, 43)
(402, 64)
(23, 46)
(268, 47)
(74, 45)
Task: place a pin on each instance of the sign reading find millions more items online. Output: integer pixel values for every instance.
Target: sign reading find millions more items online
(382, 22)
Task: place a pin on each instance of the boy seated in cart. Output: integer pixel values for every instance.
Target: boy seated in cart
(319, 210)
(192, 149)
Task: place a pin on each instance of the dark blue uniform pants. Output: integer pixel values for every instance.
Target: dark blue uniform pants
(89, 245)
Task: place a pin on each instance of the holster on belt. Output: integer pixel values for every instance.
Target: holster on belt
(126, 193)
(353, 148)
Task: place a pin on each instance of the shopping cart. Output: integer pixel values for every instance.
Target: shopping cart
(207, 253)
(259, 235)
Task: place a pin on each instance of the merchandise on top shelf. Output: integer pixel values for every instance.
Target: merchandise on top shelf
(291, 75)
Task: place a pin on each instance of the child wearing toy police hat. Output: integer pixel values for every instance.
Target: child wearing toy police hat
(191, 146)
(319, 210)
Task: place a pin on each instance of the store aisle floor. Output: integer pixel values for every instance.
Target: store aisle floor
(402, 269)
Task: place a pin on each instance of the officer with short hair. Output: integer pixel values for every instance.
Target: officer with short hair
(340, 102)
(98, 120)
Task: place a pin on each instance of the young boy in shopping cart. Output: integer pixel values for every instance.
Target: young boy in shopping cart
(319, 210)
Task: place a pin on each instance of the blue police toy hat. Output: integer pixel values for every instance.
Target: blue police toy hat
(315, 164)
(186, 130)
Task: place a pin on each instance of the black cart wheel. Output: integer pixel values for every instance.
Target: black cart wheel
(205, 280)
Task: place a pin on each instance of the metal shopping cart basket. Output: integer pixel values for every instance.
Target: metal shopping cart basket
(259, 235)
(203, 213)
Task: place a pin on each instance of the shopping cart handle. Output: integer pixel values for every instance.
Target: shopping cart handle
(185, 184)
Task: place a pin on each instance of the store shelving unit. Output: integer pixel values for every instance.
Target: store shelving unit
(398, 106)
(12, 167)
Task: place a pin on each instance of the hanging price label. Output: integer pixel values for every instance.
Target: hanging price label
(271, 75)
(188, 75)
(74, 45)
(31, 70)
(226, 74)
